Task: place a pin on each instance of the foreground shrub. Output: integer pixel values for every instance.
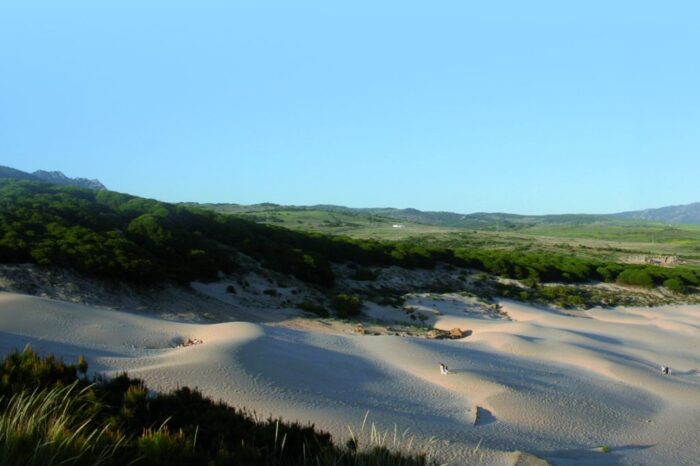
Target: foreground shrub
(161, 447)
(53, 427)
(51, 416)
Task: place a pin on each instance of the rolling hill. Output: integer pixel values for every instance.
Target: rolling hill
(680, 214)
(272, 213)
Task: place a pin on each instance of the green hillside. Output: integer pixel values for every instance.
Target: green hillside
(688, 214)
(126, 237)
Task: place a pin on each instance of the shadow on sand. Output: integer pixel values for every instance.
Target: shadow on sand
(591, 456)
(484, 417)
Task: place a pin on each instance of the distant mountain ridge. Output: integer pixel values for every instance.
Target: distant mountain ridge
(681, 214)
(54, 177)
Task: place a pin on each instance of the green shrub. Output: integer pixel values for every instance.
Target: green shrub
(162, 448)
(346, 305)
(389, 299)
(676, 285)
(636, 277)
(313, 308)
(134, 403)
(26, 369)
(82, 365)
(564, 296)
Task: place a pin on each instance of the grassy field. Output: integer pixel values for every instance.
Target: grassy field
(624, 239)
(583, 236)
(631, 231)
(574, 242)
(356, 225)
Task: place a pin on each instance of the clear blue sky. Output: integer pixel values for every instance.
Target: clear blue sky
(524, 107)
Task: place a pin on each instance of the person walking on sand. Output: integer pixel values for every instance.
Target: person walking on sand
(444, 370)
(665, 370)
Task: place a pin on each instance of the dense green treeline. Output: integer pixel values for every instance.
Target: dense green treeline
(132, 238)
(100, 232)
(51, 414)
(119, 235)
(547, 268)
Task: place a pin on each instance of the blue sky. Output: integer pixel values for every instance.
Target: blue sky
(524, 107)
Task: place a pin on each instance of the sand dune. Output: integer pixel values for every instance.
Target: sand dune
(549, 383)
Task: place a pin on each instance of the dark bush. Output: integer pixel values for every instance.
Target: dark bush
(636, 277)
(313, 308)
(346, 305)
(675, 285)
(364, 274)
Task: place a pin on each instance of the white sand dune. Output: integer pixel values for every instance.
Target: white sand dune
(552, 384)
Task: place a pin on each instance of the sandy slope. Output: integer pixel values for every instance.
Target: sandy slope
(548, 383)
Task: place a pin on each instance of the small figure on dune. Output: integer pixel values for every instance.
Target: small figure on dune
(665, 370)
(444, 370)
